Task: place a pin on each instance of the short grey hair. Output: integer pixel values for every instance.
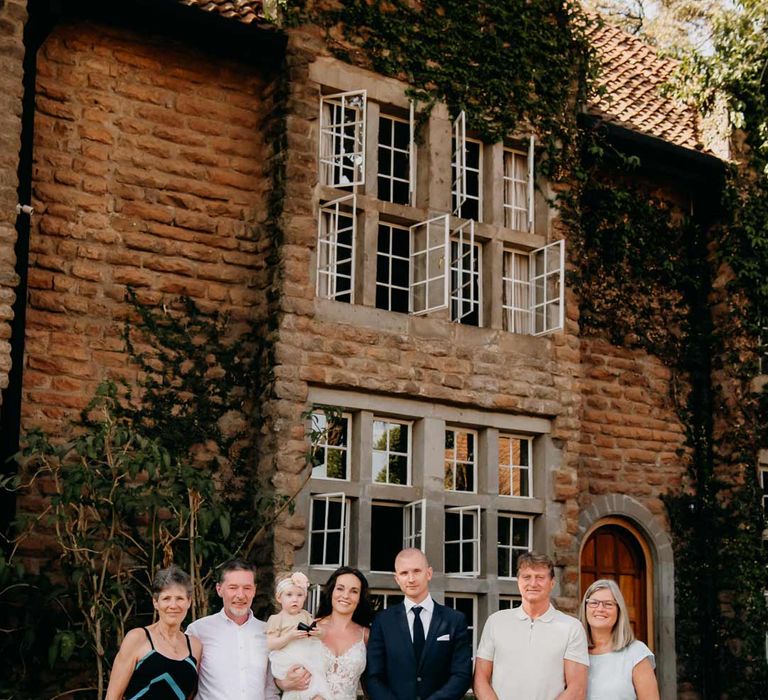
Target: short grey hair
(532, 560)
(171, 576)
(621, 634)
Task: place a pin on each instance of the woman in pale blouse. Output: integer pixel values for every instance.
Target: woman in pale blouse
(620, 666)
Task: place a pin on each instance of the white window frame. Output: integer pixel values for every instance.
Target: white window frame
(415, 524)
(539, 287)
(386, 594)
(762, 473)
(332, 138)
(392, 150)
(313, 598)
(325, 447)
(459, 157)
(413, 153)
(329, 248)
(517, 310)
(528, 442)
(455, 462)
(512, 599)
(467, 264)
(475, 540)
(344, 532)
(390, 257)
(513, 208)
(511, 549)
(436, 257)
(387, 451)
(471, 624)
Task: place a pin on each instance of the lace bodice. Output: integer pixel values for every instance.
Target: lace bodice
(343, 672)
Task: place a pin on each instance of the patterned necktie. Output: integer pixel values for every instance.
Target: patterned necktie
(418, 632)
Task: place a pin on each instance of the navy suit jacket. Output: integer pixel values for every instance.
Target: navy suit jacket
(444, 671)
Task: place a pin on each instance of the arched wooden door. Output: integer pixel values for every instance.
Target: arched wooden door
(614, 552)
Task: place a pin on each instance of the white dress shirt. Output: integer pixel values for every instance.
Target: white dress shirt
(428, 606)
(235, 664)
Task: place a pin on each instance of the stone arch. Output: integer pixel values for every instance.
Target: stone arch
(659, 543)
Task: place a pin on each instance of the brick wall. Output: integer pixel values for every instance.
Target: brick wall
(632, 441)
(149, 172)
(12, 18)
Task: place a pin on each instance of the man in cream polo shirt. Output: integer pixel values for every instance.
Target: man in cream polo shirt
(534, 651)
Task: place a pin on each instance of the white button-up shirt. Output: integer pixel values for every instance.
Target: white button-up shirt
(428, 605)
(235, 664)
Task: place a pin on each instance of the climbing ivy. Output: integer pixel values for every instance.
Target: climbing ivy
(510, 65)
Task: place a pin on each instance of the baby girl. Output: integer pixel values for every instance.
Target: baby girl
(289, 640)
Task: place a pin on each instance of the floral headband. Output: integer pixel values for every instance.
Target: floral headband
(294, 579)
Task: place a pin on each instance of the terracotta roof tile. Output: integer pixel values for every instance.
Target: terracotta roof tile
(246, 11)
(633, 75)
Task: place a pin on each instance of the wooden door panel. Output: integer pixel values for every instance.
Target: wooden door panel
(613, 552)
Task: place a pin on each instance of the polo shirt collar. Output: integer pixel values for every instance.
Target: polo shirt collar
(227, 619)
(548, 616)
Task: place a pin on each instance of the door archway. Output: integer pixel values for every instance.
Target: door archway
(615, 550)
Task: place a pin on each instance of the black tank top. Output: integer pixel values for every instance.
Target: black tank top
(156, 677)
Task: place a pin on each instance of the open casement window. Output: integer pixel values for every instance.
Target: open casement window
(459, 185)
(342, 139)
(415, 524)
(412, 158)
(430, 253)
(329, 524)
(462, 541)
(533, 293)
(465, 275)
(548, 289)
(336, 233)
(518, 188)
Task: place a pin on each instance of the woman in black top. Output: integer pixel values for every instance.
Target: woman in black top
(159, 662)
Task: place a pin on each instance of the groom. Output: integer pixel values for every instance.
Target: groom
(418, 649)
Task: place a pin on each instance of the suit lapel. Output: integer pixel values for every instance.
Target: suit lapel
(401, 622)
(434, 623)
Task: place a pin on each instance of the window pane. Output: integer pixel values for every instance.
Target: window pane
(451, 526)
(398, 469)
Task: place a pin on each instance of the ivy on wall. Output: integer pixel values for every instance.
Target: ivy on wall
(511, 66)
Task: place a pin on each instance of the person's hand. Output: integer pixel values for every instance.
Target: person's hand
(297, 678)
(318, 632)
(297, 634)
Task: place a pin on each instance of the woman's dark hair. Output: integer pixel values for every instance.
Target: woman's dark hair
(171, 576)
(363, 613)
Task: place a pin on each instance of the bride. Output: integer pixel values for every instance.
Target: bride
(344, 616)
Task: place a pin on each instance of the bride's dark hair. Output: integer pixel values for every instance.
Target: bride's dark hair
(363, 613)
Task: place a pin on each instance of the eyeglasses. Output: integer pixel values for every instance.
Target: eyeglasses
(594, 604)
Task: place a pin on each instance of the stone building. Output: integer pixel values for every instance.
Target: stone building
(419, 289)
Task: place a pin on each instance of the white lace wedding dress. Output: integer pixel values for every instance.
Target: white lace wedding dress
(343, 672)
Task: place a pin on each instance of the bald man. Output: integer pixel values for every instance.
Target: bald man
(418, 649)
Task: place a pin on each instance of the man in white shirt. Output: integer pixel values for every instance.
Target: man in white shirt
(235, 663)
(534, 651)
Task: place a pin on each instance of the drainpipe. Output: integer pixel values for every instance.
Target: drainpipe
(39, 24)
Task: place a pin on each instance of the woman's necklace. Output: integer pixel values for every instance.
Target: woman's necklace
(175, 645)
